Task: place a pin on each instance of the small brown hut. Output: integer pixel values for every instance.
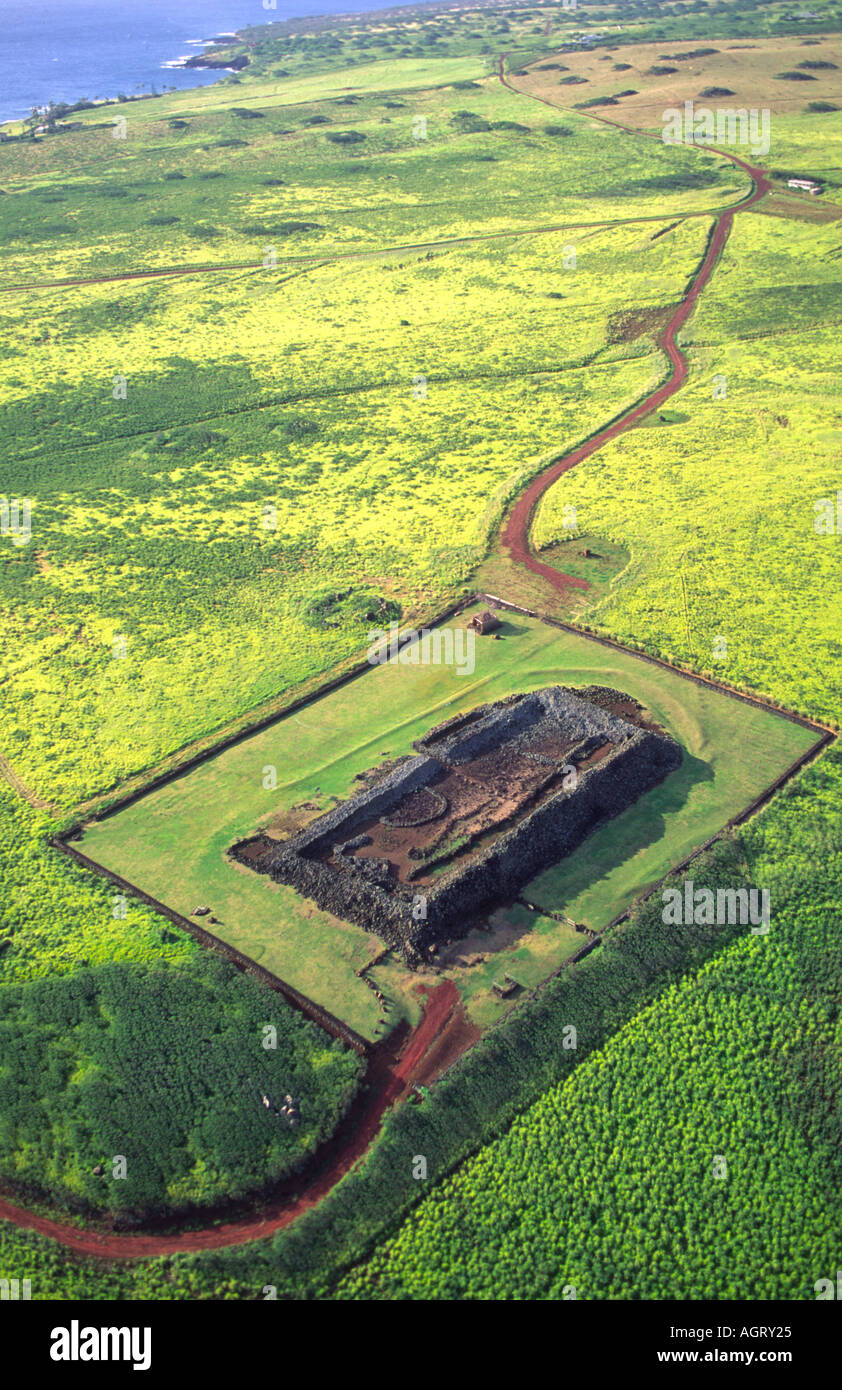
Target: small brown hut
(484, 623)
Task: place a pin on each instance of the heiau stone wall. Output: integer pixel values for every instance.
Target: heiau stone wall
(412, 919)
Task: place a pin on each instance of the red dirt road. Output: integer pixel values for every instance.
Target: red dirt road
(518, 524)
(387, 1082)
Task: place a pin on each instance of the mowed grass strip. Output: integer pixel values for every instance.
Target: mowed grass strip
(172, 843)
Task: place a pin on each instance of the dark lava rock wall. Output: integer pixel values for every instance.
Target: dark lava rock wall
(414, 920)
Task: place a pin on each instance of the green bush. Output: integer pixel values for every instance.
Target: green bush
(329, 607)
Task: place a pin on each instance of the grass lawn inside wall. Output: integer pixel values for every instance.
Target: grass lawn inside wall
(172, 843)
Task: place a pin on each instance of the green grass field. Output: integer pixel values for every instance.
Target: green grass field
(172, 842)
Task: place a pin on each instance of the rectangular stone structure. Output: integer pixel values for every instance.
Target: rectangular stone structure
(536, 772)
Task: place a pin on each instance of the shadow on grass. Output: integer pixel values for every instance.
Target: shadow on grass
(616, 842)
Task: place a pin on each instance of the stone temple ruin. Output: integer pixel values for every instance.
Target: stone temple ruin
(490, 799)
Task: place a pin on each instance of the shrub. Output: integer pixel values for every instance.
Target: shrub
(297, 427)
(345, 137)
(279, 228)
(468, 123)
(331, 607)
(692, 53)
(204, 231)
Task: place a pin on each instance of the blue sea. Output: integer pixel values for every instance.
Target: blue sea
(63, 50)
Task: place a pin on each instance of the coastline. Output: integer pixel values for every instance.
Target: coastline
(292, 25)
(187, 62)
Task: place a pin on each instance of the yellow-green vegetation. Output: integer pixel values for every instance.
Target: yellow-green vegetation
(727, 502)
(58, 919)
(323, 178)
(172, 843)
(360, 425)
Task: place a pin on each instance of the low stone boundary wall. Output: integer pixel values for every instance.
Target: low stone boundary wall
(334, 1026)
(542, 837)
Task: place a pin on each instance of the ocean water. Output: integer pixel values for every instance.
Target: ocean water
(63, 50)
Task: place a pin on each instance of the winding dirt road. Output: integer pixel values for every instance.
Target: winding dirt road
(387, 1080)
(390, 1075)
(518, 524)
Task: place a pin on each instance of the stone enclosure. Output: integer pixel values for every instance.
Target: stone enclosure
(489, 799)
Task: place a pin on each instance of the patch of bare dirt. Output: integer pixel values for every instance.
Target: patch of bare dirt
(457, 1036)
(475, 800)
(290, 822)
(628, 325)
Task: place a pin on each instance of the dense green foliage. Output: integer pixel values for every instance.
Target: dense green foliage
(167, 1068)
(506, 1071)
(698, 1154)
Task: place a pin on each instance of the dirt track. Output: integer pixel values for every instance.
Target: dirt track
(517, 526)
(389, 1077)
(7, 771)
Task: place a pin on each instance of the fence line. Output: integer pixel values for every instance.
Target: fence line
(293, 996)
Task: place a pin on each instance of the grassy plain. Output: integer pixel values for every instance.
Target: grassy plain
(150, 523)
(728, 497)
(224, 496)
